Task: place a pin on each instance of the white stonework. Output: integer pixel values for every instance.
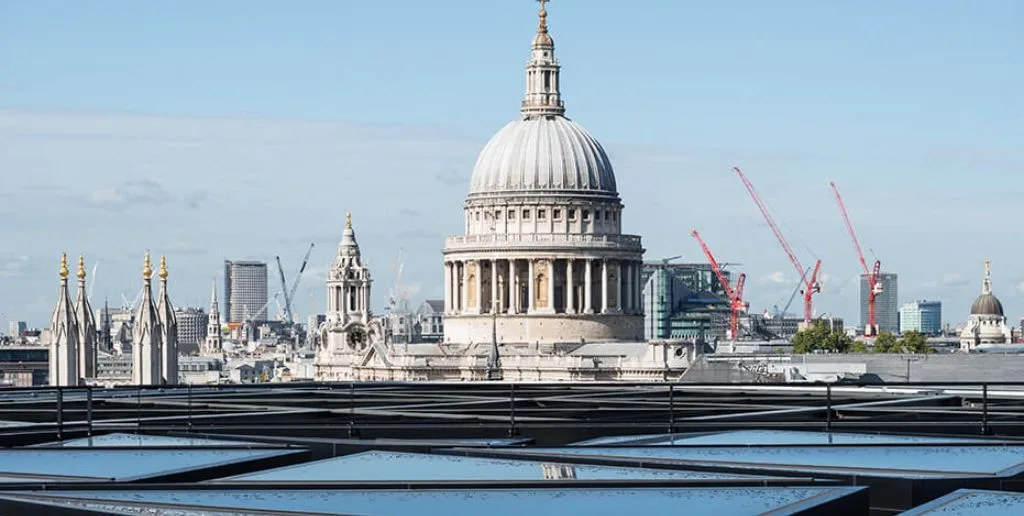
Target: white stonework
(64, 336)
(542, 286)
(213, 345)
(349, 328)
(87, 341)
(146, 335)
(986, 327)
(168, 331)
(543, 248)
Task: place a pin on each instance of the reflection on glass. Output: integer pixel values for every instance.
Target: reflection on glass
(558, 471)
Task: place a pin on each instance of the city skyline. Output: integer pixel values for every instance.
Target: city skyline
(228, 166)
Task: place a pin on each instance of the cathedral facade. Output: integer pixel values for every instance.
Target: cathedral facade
(986, 326)
(542, 285)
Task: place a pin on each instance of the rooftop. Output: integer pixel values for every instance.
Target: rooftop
(502, 448)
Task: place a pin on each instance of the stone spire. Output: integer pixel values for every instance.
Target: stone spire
(348, 247)
(168, 330)
(494, 356)
(64, 335)
(213, 344)
(986, 284)
(146, 335)
(86, 327)
(543, 97)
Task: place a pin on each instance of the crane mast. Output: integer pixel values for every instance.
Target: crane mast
(811, 285)
(736, 304)
(289, 293)
(873, 274)
(284, 290)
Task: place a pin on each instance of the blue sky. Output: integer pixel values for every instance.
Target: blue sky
(245, 129)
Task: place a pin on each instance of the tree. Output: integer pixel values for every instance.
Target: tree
(859, 347)
(819, 337)
(914, 342)
(886, 343)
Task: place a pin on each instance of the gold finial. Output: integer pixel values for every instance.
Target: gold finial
(163, 268)
(987, 267)
(147, 271)
(543, 14)
(81, 267)
(348, 220)
(63, 266)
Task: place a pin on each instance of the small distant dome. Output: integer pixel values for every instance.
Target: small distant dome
(543, 39)
(543, 154)
(987, 304)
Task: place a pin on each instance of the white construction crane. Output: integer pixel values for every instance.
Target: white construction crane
(92, 282)
(289, 293)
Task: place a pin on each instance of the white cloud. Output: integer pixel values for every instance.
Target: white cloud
(14, 266)
(774, 278)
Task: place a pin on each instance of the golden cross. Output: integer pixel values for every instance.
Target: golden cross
(542, 2)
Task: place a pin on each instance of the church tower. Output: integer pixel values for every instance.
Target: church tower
(348, 296)
(168, 331)
(146, 335)
(87, 342)
(213, 343)
(64, 334)
(348, 282)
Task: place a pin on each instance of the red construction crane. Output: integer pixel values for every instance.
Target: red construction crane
(873, 274)
(736, 304)
(811, 285)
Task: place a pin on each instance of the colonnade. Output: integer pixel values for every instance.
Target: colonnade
(542, 286)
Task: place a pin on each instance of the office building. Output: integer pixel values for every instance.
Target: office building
(430, 321)
(886, 307)
(16, 328)
(245, 291)
(921, 316)
(192, 325)
(683, 301)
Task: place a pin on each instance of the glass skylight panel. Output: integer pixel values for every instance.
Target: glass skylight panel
(121, 464)
(493, 502)
(772, 437)
(939, 460)
(973, 502)
(396, 466)
(142, 440)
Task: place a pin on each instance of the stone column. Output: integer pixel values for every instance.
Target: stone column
(447, 287)
(502, 292)
(513, 285)
(587, 289)
(570, 292)
(465, 287)
(494, 287)
(618, 286)
(604, 286)
(629, 288)
(342, 294)
(638, 288)
(478, 285)
(551, 286)
(529, 286)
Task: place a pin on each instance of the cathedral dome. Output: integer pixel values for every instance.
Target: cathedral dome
(543, 154)
(987, 304)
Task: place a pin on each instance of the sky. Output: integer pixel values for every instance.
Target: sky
(245, 129)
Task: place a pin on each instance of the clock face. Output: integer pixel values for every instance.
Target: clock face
(356, 338)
